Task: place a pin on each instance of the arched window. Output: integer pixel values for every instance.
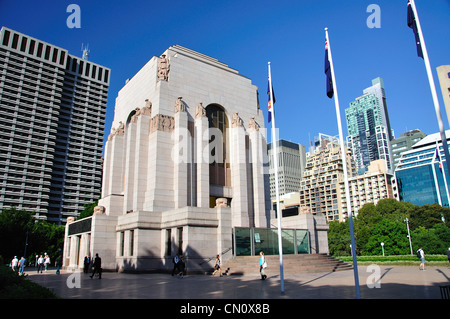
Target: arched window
(219, 167)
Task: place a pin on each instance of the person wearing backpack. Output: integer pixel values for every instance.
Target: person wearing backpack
(421, 255)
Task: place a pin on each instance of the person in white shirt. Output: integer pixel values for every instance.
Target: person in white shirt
(14, 263)
(40, 263)
(46, 262)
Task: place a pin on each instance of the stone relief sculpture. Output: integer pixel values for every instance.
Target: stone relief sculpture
(221, 202)
(163, 68)
(119, 131)
(179, 105)
(147, 109)
(200, 111)
(163, 123)
(99, 210)
(237, 121)
(252, 124)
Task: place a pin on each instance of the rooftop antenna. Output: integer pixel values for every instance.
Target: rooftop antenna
(85, 51)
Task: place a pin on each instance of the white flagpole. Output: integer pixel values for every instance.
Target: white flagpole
(432, 86)
(344, 163)
(275, 166)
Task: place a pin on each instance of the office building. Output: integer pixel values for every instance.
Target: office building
(370, 187)
(320, 193)
(52, 115)
(421, 176)
(291, 164)
(404, 143)
(443, 73)
(369, 128)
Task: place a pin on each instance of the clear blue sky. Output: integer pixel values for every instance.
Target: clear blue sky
(124, 35)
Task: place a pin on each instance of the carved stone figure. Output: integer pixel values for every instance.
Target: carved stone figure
(221, 202)
(200, 111)
(252, 124)
(179, 105)
(163, 68)
(99, 210)
(147, 109)
(237, 121)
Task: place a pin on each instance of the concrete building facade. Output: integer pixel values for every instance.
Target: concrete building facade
(52, 116)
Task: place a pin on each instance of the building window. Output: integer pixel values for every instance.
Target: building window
(180, 240)
(121, 243)
(131, 242)
(168, 242)
(6, 37)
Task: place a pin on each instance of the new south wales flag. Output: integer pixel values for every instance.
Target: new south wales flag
(270, 104)
(330, 90)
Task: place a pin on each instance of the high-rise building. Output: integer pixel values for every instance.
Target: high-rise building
(52, 116)
(369, 128)
(421, 176)
(291, 164)
(319, 189)
(370, 187)
(443, 72)
(404, 143)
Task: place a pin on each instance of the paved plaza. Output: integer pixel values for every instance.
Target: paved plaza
(394, 282)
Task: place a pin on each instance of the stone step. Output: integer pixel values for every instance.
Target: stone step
(292, 264)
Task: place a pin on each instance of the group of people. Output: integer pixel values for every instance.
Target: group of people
(42, 263)
(18, 265)
(178, 266)
(95, 263)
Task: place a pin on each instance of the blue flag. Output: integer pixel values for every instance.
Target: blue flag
(412, 24)
(330, 90)
(270, 104)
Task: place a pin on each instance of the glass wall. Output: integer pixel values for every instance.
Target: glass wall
(250, 241)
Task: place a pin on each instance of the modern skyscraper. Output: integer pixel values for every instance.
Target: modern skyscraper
(369, 128)
(404, 143)
(52, 116)
(421, 177)
(319, 188)
(291, 164)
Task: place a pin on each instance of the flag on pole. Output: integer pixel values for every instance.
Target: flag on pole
(330, 90)
(438, 158)
(413, 25)
(270, 104)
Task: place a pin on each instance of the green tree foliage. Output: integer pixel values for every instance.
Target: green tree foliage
(18, 227)
(385, 222)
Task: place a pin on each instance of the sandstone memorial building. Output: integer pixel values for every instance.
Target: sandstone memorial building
(185, 169)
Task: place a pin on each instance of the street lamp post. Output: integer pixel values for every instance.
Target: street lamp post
(382, 248)
(409, 235)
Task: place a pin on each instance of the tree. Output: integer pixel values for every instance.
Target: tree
(394, 236)
(339, 238)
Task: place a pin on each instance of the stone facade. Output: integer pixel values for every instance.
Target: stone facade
(184, 164)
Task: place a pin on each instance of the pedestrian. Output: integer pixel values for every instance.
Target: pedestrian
(14, 263)
(421, 255)
(175, 261)
(22, 265)
(448, 254)
(217, 266)
(86, 263)
(97, 267)
(58, 264)
(40, 263)
(181, 266)
(262, 266)
(46, 262)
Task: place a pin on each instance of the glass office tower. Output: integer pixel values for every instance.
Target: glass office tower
(369, 128)
(421, 176)
(52, 116)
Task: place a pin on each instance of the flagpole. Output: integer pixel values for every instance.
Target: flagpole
(344, 163)
(275, 164)
(432, 86)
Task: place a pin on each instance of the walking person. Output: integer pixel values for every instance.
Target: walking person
(40, 263)
(176, 261)
(22, 265)
(262, 266)
(97, 267)
(86, 263)
(58, 264)
(181, 266)
(14, 263)
(46, 262)
(217, 266)
(421, 255)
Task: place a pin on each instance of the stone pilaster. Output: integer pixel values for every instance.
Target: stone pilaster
(202, 147)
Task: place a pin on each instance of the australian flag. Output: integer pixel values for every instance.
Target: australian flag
(412, 24)
(270, 104)
(330, 90)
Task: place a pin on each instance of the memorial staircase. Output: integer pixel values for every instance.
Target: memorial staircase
(292, 264)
